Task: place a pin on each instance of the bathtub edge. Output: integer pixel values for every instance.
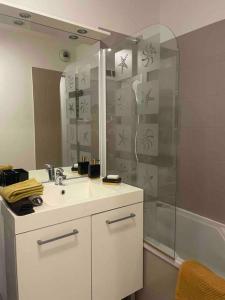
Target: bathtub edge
(173, 262)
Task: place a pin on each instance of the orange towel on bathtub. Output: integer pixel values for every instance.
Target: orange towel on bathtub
(196, 282)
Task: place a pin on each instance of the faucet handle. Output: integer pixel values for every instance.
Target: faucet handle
(59, 176)
(59, 171)
(51, 171)
(48, 166)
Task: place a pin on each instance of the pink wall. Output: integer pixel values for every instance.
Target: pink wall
(183, 16)
(125, 16)
(202, 135)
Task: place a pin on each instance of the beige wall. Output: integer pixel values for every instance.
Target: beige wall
(159, 279)
(19, 52)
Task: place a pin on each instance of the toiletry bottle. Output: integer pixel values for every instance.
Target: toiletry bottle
(83, 166)
(74, 167)
(94, 169)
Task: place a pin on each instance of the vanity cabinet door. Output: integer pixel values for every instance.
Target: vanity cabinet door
(54, 263)
(117, 253)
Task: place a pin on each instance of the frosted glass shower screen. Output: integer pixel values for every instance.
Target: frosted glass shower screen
(141, 126)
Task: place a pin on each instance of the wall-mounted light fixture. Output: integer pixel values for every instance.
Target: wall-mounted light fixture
(18, 22)
(25, 15)
(73, 37)
(82, 31)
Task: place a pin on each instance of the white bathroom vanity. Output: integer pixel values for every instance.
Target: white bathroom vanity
(85, 242)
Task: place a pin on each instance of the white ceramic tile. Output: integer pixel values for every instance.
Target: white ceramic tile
(149, 54)
(147, 178)
(71, 130)
(85, 107)
(71, 108)
(123, 64)
(123, 138)
(147, 139)
(148, 97)
(123, 101)
(84, 134)
(70, 82)
(84, 77)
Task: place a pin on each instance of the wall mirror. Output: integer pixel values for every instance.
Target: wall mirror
(48, 91)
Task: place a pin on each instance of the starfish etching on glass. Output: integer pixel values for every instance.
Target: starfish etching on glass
(71, 108)
(148, 97)
(70, 81)
(148, 55)
(123, 138)
(84, 106)
(148, 139)
(123, 63)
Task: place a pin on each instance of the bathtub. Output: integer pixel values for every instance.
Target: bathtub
(192, 236)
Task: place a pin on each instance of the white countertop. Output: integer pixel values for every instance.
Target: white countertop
(82, 197)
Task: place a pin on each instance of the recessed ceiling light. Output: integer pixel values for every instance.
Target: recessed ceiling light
(82, 31)
(73, 37)
(24, 15)
(109, 49)
(18, 22)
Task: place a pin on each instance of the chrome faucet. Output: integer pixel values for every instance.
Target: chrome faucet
(51, 172)
(59, 177)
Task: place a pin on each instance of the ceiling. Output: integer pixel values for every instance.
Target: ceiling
(60, 28)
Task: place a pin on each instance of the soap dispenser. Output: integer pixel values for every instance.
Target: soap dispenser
(74, 167)
(94, 169)
(83, 166)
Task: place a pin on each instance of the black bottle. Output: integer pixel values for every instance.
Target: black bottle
(94, 169)
(83, 166)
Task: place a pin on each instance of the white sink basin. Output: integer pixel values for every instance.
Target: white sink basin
(75, 191)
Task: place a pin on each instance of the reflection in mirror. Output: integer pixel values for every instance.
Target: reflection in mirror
(48, 97)
(81, 114)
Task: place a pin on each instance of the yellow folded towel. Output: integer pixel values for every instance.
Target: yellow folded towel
(196, 282)
(5, 167)
(20, 190)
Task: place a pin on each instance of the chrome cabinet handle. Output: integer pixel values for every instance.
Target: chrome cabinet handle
(132, 215)
(40, 242)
